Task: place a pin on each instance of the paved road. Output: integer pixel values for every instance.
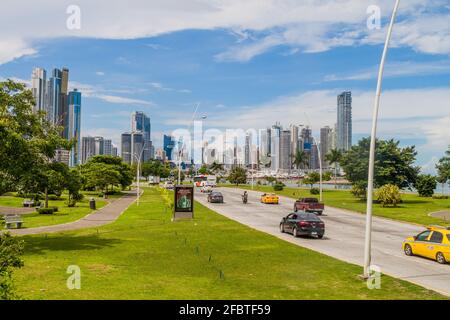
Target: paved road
(105, 215)
(344, 238)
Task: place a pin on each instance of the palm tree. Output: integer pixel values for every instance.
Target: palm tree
(333, 158)
(216, 167)
(301, 158)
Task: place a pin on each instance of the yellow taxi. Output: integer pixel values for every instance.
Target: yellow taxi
(434, 243)
(270, 198)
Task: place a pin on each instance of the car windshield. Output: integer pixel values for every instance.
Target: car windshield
(308, 216)
(216, 194)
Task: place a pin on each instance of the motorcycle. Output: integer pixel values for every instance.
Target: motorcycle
(245, 198)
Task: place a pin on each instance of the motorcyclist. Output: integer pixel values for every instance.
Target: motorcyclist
(245, 197)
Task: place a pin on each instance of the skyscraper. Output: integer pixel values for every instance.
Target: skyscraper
(285, 151)
(74, 126)
(169, 145)
(326, 141)
(87, 149)
(137, 145)
(126, 147)
(275, 147)
(141, 123)
(294, 139)
(344, 121)
(107, 147)
(39, 89)
(99, 145)
(264, 147)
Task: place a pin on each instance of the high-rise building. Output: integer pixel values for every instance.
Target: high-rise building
(285, 151)
(137, 146)
(39, 89)
(307, 144)
(295, 139)
(168, 145)
(248, 161)
(264, 147)
(114, 151)
(314, 159)
(74, 126)
(99, 145)
(107, 147)
(344, 121)
(326, 142)
(87, 149)
(141, 123)
(275, 147)
(126, 147)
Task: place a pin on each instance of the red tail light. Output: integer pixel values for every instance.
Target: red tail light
(303, 223)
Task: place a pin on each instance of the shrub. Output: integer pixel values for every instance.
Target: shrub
(425, 185)
(71, 203)
(53, 197)
(46, 210)
(279, 186)
(78, 196)
(388, 195)
(440, 197)
(314, 191)
(359, 190)
(101, 195)
(55, 209)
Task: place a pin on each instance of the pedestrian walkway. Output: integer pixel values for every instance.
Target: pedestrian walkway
(444, 215)
(105, 215)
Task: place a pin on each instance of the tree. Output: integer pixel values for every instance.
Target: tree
(73, 185)
(28, 142)
(216, 167)
(300, 159)
(238, 175)
(155, 168)
(393, 165)
(122, 175)
(389, 195)
(425, 185)
(443, 170)
(11, 248)
(312, 178)
(203, 169)
(334, 157)
(101, 175)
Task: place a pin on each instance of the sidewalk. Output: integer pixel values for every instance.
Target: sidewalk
(98, 218)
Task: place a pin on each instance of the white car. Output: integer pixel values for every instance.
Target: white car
(206, 189)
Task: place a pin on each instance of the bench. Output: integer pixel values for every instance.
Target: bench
(28, 203)
(13, 219)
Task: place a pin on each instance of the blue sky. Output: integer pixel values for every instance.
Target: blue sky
(245, 70)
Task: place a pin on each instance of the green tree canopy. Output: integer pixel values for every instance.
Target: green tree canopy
(238, 175)
(443, 169)
(393, 164)
(425, 185)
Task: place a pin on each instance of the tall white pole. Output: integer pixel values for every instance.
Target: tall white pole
(368, 236)
(137, 181)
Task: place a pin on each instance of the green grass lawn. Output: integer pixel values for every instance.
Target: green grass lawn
(64, 214)
(414, 209)
(144, 255)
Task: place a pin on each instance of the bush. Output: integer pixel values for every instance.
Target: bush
(440, 197)
(101, 195)
(359, 190)
(389, 195)
(78, 196)
(279, 186)
(425, 185)
(71, 203)
(314, 191)
(53, 197)
(46, 210)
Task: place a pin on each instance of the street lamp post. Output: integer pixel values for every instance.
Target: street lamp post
(138, 171)
(368, 234)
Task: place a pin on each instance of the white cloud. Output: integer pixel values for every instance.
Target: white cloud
(122, 100)
(307, 25)
(100, 73)
(396, 69)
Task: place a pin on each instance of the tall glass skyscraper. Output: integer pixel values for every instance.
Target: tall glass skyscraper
(74, 126)
(39, 88)
(169, 145)
(344, 121)
(141, 123)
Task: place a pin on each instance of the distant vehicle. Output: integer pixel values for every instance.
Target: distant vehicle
(206, 189)
(215, 197)
(201, 180)
(154, 180)
(309, 205)
(303, 224)
(168, 185)
(433, 243)
(270, 198)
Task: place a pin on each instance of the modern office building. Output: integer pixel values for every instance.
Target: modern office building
(137, 146)
(264, 147)
(344, 121)
(285, 159)
(141, 123)
(107, 147)
(114, 151)
(275, 134)
(168, 146)
(87, 149)
(295, 139)
(326, 144)
(74, 126)
(126, 147)
(39, 89)
(314, 160)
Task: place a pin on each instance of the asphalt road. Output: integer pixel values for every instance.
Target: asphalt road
(344, 237)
